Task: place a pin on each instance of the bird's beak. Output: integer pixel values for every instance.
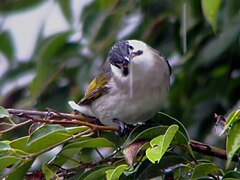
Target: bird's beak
(137, 53)
(133, 55)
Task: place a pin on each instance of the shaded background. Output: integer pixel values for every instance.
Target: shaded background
(50, 51)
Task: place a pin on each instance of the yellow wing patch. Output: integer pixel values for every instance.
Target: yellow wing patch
(95, 89)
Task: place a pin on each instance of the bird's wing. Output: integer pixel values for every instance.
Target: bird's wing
(98, 86)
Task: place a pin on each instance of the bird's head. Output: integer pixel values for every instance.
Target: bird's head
(136, 52)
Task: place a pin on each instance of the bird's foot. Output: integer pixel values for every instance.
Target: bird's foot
(123, 128)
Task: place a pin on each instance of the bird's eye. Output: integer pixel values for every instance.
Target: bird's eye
(130, 47)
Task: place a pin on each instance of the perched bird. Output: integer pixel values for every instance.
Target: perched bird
(131, 88)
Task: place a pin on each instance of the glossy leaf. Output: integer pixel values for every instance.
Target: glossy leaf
(169, 163)
(46, 136)
(6, 161)
(231, 119)
(144, 132)
(66, 9)
(165, 119)
(160, 144)
(116, 173)
(210, 11)
(90, 143)
(151, 130)
(77, 129)
(233, 141)
(96, 173)
(48, 173)
(20, 171)
(232, 174)
(10, 6)
(147, 132)
(93, 17)
(6, 45)
(208, 54)
(75, 147)
(203, 169)
(48, 68)
(4, 147)
(19, 143)
(3, 112)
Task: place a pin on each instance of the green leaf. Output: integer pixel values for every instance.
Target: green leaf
(208, 54)
(160, 144)
(48, 173)
(233, 141)
(147, 132)
(113, 174)
(3, 112)
(6, 45)
(231, 119)
(20, 171)
(170, 162)
(90, 143)
(6, 161)
(210, 11)
(94, 18)
(203, 169)
(165, 119)
(98, 172)
(75, 147)
(77, 129)
(104, 30)
(12, 6)
(232, 174)
(4, 147)
(156, 126)
(48, 57)
(46, 136)
(19, 143)
(144, 132)
(65, 5)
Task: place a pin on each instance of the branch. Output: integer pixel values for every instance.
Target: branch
(54, 117)
(208, 150)
(15, 126)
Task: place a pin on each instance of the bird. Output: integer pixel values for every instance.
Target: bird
(131, 87)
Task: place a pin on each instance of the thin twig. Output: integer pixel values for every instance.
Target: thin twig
(76, 122)
(58, 118)
(72, 171)
(14, 127)
(51, 114)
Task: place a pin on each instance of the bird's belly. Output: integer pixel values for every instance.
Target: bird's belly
(130, 108)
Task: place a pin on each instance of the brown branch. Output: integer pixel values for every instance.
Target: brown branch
(53, 117)
(208, 150)
(76, 122)
(50, 114)
(62, 172)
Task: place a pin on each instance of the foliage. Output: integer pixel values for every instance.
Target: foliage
(205, 81)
